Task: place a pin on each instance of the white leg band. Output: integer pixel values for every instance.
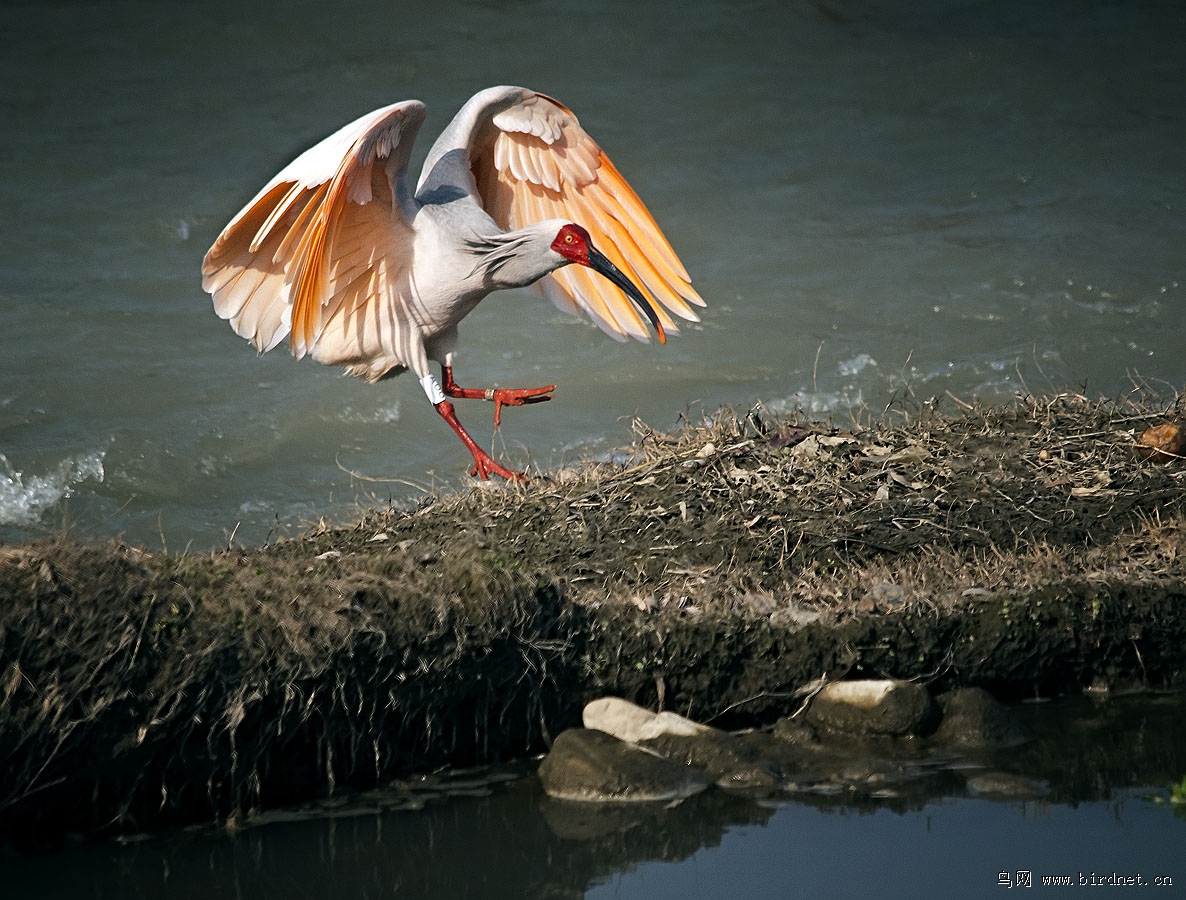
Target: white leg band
(432, 389)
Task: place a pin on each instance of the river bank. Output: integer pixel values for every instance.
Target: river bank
(717, 571)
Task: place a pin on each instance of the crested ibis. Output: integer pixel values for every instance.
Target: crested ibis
(340, 256)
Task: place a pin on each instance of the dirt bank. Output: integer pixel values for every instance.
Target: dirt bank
(716, 571)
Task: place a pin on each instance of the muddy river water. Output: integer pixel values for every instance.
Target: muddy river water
(1084, 804)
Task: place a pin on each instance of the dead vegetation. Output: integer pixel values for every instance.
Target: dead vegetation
(754, 514)
(715, 570)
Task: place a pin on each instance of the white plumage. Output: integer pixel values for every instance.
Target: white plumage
(339, 256)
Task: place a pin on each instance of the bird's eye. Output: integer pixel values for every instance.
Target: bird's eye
(568, 239)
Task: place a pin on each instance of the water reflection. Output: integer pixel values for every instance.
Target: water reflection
(497, 836)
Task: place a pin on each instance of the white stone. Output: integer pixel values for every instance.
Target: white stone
(632, 723)
(865, 694)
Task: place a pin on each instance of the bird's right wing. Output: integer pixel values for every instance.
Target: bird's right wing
(327, 237)
(535, 162)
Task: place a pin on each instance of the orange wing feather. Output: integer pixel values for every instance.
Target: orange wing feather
(538, 163)
(292, 261)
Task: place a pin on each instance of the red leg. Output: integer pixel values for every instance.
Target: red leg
(484, 465)
(501, 396)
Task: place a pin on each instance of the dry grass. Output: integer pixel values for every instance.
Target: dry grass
(139, 687)
(750, 508)
(716, 569)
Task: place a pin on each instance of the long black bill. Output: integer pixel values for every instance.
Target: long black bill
(598, 263)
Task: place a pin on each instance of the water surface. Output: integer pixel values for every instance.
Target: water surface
(882, 202)
(1095, 804)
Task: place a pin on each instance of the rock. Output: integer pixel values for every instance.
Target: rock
(631, 723)
(972, 717)
(874, 707)
(726, 758)
(796, 732)
(589, 765)
(1164, 443)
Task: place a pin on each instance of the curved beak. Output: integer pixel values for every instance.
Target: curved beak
(598, 263)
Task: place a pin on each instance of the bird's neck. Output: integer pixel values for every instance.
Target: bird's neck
(514, 258)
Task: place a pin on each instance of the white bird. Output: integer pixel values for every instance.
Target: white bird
(337, 253)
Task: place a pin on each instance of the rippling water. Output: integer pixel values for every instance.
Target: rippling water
(936, 197)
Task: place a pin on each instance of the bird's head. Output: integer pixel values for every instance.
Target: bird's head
(574, 244)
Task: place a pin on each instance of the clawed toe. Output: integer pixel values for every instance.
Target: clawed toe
(518, 397)
(485, 468)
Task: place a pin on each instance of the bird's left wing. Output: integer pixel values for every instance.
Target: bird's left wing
(535, 163)
(309, 244)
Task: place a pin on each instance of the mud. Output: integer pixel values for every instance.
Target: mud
(721, 571)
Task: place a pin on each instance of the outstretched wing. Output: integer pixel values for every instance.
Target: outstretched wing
(327, 238)
(535, 163)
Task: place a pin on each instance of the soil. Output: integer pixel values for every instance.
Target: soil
(721, 571)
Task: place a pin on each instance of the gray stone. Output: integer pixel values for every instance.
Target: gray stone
(727, 759)
(870, 707)
(972, 717)
(589, 765)
(795, 731)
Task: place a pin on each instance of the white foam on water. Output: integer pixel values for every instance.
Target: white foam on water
(857, 364)
(383, 415)
(817, 402)
(25, 498)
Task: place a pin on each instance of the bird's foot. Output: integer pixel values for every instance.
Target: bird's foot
(485, 466)
(517, 397)
(501, 396)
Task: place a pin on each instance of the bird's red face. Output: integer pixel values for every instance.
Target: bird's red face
(574, 244)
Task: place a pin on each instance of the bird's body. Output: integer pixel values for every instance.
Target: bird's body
(340, 256)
